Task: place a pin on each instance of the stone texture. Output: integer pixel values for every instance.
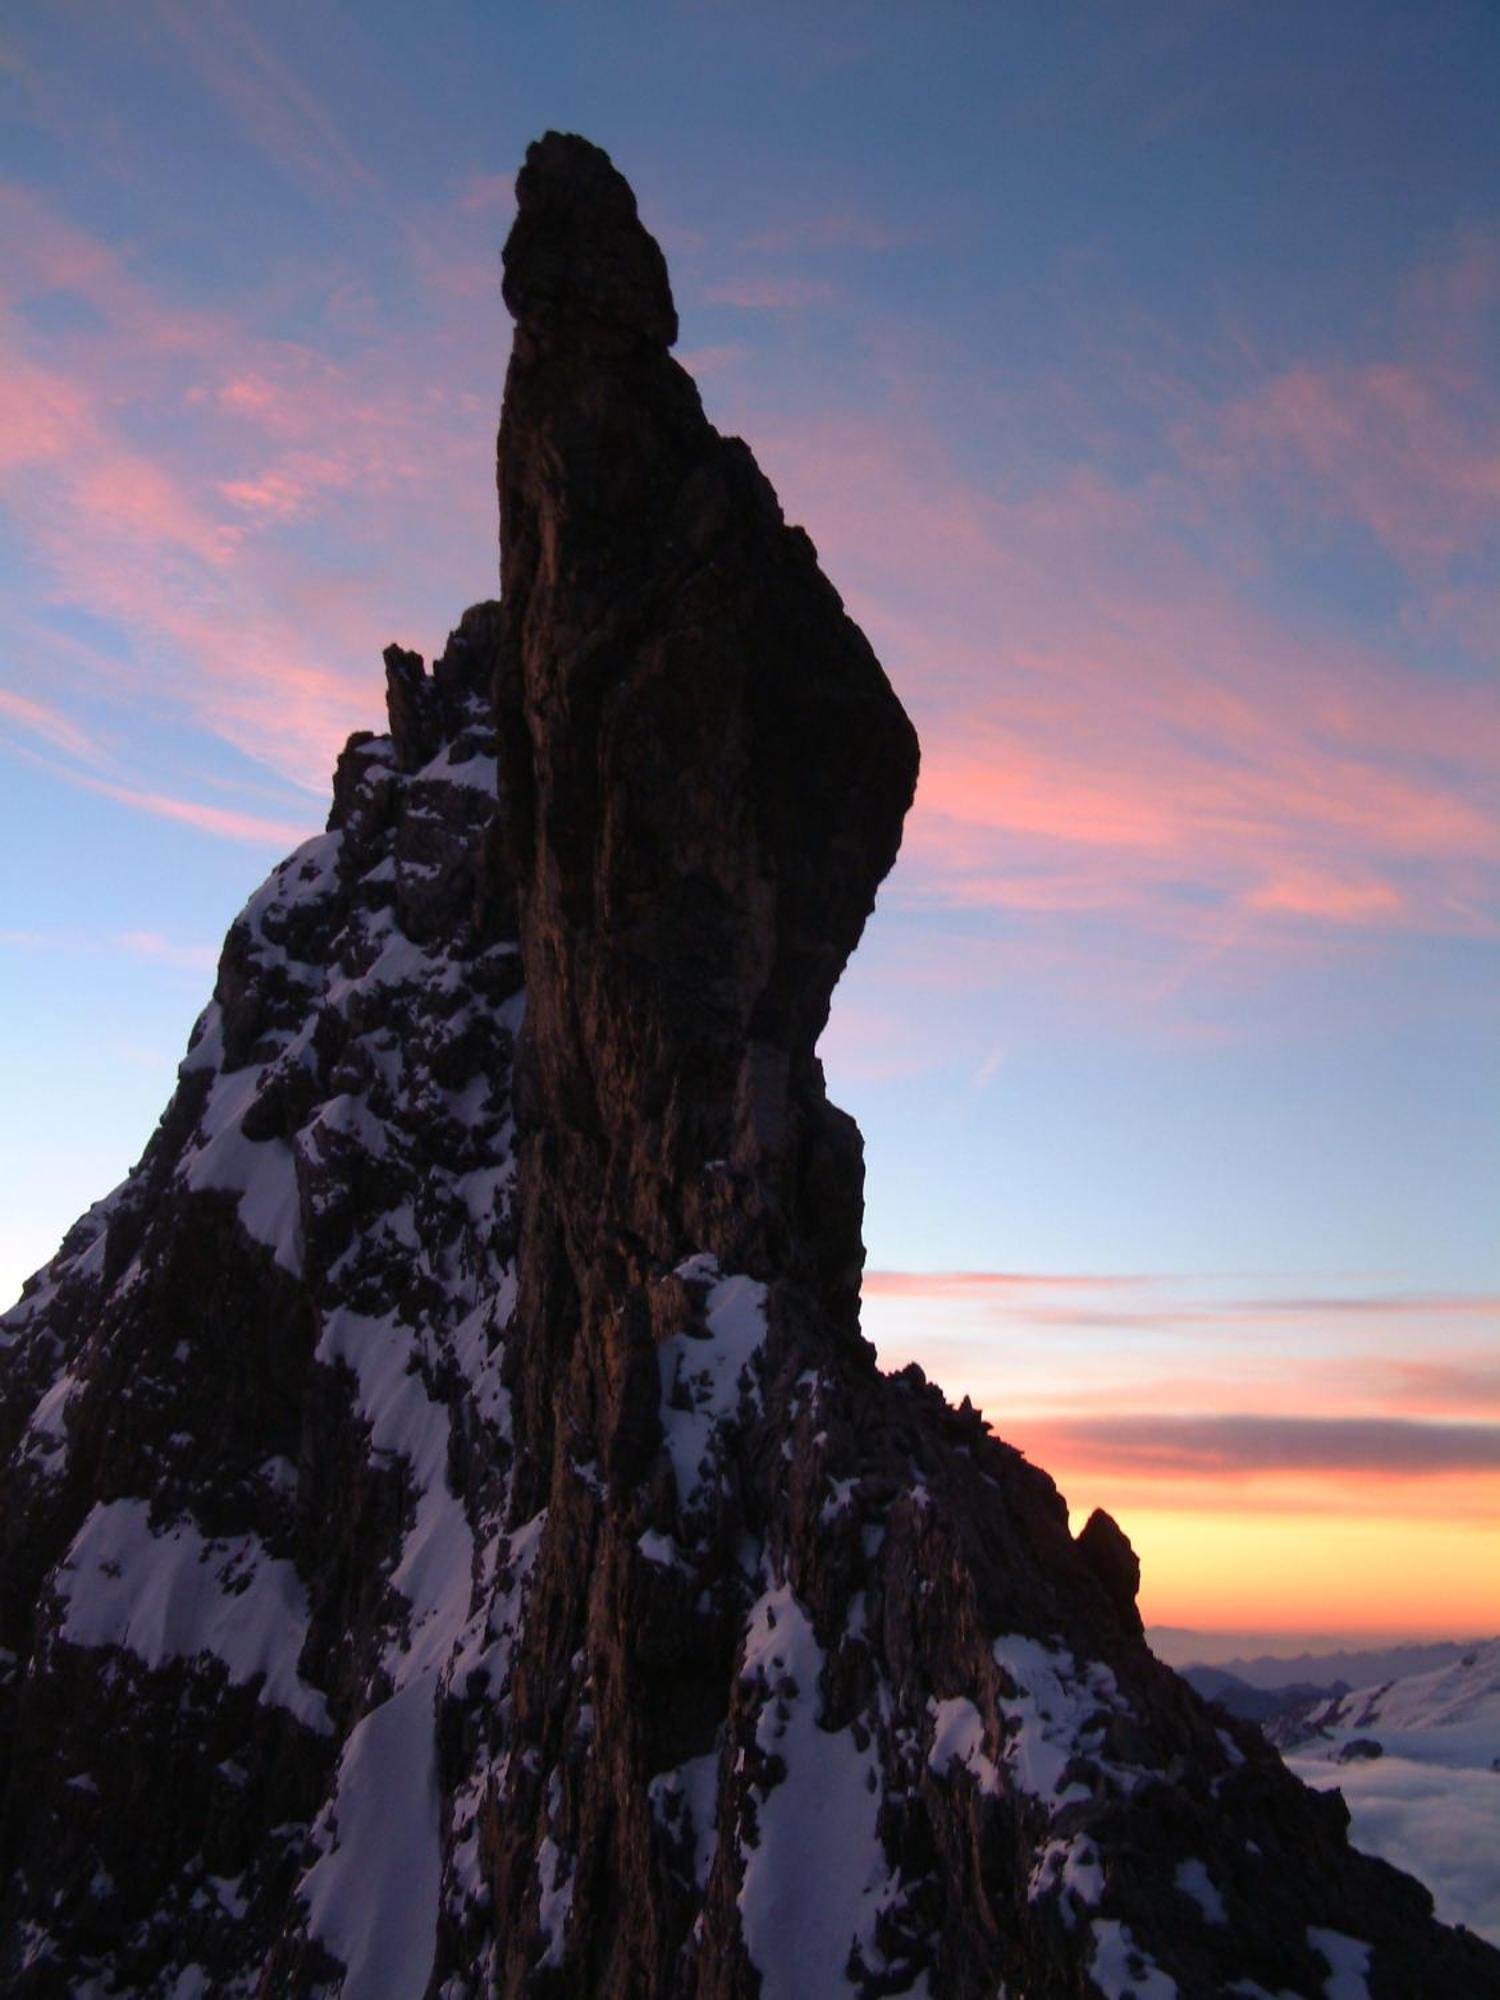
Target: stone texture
(635, 1635)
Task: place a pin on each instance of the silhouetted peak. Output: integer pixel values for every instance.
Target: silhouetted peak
(578, 258)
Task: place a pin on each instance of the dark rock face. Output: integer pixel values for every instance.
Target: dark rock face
(455, 1539)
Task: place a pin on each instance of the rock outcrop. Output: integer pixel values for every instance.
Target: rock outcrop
(455, 1538)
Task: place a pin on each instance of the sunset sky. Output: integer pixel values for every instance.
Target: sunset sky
(1136, 372)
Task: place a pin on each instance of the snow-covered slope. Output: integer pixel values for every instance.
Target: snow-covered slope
(1418, 1762)
(257, 1428)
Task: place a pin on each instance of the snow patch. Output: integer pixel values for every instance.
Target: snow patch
(435, 1570)
(176, 1595)
(1121, 1970)
(693, 1787)
(262, 1172)
(1069, 1870)
(705, 1377)
(958, 1733)
(1194, 1880)
(372, 1899)
(554, 1899)
(1348, 1962)
(818, 1877)
(1053, 1716)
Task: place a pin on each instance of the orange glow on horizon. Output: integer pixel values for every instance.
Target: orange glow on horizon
(1280, 1491)
(1294, 1573)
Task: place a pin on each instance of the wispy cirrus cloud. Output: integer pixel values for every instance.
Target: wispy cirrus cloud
(1169, 1302)
(221, 821)
(268, 98)
(1118, 717)
(990, 1286)
(41, 719)
(237, 569)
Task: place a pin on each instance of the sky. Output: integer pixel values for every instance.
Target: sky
(1137, 374)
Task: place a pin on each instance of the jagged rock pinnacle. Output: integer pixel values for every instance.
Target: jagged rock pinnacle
(705, 770)
(578, 259)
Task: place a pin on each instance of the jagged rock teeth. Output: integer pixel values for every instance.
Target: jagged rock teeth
(440, 1562)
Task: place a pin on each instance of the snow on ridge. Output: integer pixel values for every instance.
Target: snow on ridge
(81, 1254)
(345, 1034)
(177, 1595)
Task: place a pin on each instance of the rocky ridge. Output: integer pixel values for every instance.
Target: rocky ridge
(455, 1538)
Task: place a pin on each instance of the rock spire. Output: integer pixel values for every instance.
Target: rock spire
(454, 1540)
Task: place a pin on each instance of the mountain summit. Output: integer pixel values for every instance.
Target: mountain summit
(455, 1538)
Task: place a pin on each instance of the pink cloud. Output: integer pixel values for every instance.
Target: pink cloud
(42, 415)
(153, 945)
(1410, 455)
(1331, 900)
(41, 719)
(1106, 718)
(244, 562)
(989, 1285)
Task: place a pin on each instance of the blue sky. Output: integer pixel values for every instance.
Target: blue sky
(1135, 372)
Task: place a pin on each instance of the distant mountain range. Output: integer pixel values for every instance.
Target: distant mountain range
(1408, 1735)
(1358, 1666)
(1417, 1759)
(1271, 1685)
